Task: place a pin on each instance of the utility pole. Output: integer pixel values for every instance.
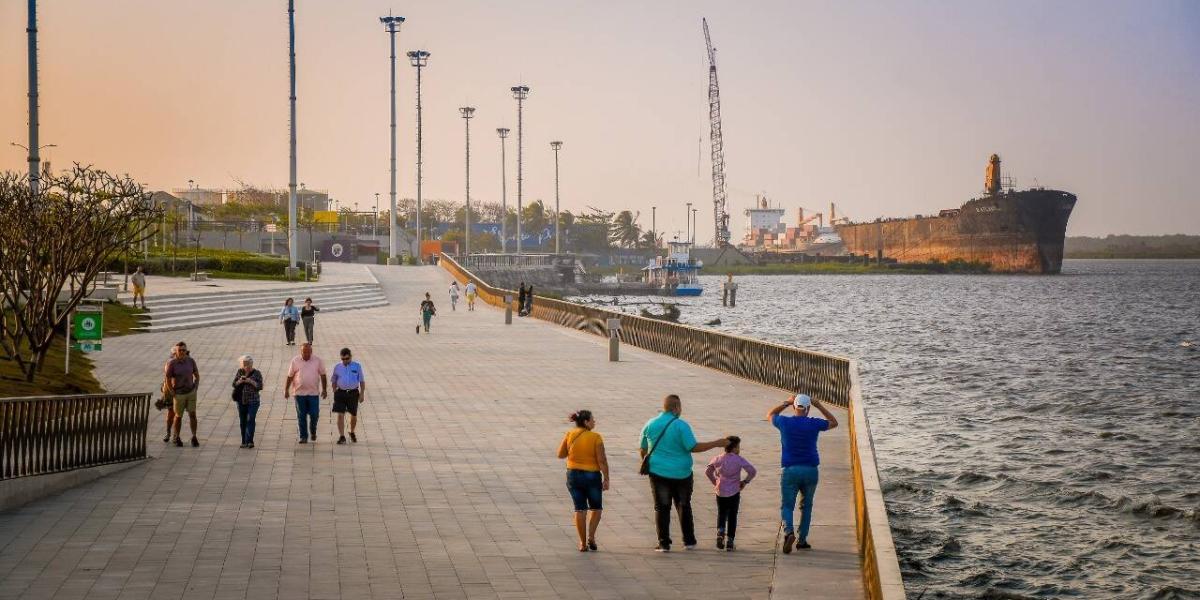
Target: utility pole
(520, 92)
(34, 159)
(392, 26)
(687, 218)
(654, 227)
(503, 133)
(556, 146)
(467, 112)
(419, 59)
(292, 139)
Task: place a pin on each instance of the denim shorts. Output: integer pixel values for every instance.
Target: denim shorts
(586, 489)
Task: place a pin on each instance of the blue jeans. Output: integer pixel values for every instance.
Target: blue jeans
(308, 407)
(246, 415)
(587, 489)
(795, 479)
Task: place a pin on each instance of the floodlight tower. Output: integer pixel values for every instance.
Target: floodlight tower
(392, 26)
(34, 158)
(467, 112)
(503, 133)
(520, 92)
(419, 59)
(556, 146)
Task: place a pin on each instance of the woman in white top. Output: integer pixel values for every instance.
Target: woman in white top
(453, 295)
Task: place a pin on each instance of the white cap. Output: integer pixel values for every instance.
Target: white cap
(802, 401)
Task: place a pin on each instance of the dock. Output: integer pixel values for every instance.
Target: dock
(453, 490)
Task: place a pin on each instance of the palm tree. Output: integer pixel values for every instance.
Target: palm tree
(648, 241)
(625, 230)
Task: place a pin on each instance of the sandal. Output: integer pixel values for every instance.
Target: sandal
(592, 545)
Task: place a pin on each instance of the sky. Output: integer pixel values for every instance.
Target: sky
(887, 109)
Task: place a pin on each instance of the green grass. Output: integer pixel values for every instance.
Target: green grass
(120, 319)
(51, 380)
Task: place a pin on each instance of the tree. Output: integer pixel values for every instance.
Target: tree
(648, 241)
(535, 220)
(625, 230)
(56, 242)
(590, 232)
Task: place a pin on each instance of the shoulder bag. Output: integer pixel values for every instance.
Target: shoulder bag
(645, 469)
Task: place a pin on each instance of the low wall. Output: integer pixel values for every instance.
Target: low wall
(826, 377)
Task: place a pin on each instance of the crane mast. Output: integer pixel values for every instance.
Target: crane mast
(720, 215)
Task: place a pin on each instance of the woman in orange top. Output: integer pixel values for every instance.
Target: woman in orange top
(587, 475)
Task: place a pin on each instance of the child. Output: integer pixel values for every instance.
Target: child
(725, 472)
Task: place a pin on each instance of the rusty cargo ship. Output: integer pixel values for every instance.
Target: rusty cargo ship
(1013, 231)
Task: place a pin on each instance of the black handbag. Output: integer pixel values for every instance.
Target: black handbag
(645, 468)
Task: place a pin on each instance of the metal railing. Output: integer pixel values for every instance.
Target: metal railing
(826, 377)
(50, 434)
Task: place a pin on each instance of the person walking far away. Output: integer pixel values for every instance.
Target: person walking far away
(529, 300)
(725, 473)
(308, 316)
(799, 458)
(471, 293)
(183, 382)
(349, 390)
(666, 446)
(587, 475)
(289, 316)
(139, 287)
(247, 383)
(168, 397)
(428, 310)
(454, 296)
(305, 373)
(521, 300)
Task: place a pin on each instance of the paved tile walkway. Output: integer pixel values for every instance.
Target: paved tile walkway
(452, 492)
(158, 286)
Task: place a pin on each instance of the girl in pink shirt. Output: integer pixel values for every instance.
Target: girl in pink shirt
(725, 472)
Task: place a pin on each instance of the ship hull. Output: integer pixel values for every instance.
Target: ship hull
(1014, 232)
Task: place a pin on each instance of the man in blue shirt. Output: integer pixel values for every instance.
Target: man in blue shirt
(798, 438)
(670, 443)
(349, 389)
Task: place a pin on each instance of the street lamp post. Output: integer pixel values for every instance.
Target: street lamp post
(654, 228)
(687, 219)
(467, 112)
(392, 26)
(419, 59)
(375, 217)
(556, 146)
(292, 270)
(503, 133)
(520, 92)
(694, 211)
(34, 159)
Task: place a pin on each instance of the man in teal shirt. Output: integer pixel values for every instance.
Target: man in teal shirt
(670, 443)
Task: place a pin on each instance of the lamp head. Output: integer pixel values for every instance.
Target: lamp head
(502, 132)
(418, 58)
(391, 24)
(520, 92)
(555, 145)
(467, 111)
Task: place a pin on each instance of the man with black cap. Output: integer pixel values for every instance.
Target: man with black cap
(799, 458)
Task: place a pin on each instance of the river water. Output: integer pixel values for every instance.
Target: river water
(1038, 436)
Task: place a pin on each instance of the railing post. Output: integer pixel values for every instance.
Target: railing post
(614, 340)
(508, 309)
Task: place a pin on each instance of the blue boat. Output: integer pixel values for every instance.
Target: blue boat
(675, 274)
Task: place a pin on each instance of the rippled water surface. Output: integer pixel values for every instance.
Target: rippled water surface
(1039, 437)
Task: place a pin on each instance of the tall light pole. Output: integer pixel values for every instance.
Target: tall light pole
(34, 159)
(467, 112)
(503, 133)
(556, 146)
(654, 228)
(392, 26)
(292, 137)
(375, 217)
(520, 92)
(694, 211)
(419, 59)
(687, 218)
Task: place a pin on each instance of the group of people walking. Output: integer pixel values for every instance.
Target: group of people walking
(666, 445)
(291, 316)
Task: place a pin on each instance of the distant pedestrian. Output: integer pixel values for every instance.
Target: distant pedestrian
(667, 444)
(428, 310)
(138, 279)
(290, 315)
(587, 475)
(529, 300)
(521, 300)
(305, 373)
(725, 473)
(471, 293)
(168, 396)
(349, 390)
(454, 296)
(799, 458)
(247, 384)
(308, 316)
(183, 381)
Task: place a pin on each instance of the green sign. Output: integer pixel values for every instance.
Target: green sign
(87, 329)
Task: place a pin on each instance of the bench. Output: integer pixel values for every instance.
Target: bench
(200, 276)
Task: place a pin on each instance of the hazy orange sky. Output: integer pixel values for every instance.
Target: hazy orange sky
(888, 111)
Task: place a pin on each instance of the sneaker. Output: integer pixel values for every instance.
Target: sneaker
(729, 545)
(788, 540)
(250, 445)
(167, 438)
(689, 546)
(243, 446)
(178, 443)
(802, 545)
(195, 442)
(341, 439)
(303, 441)
(353, 438)
(662, 548)
(720, 541)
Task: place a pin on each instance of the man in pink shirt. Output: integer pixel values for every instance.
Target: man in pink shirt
(305, 373)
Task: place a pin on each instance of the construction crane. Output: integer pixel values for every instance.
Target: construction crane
(720, 215)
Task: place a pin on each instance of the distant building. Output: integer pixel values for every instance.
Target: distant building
(306, 199)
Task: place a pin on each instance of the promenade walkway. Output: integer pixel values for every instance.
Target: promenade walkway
(453, 490)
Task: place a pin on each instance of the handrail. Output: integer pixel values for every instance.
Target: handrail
(50, 434)
(826, 377)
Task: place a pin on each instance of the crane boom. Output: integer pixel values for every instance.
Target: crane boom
(720, 215)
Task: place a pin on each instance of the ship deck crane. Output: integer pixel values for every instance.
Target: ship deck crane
(720, 214)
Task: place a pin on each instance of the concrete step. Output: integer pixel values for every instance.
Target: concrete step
(252, 314)
(263, 294)
(258, 308)
(217, 306)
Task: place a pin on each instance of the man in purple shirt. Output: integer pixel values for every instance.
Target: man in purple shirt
(799, 458)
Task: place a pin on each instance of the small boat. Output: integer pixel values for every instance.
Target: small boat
(676, 274)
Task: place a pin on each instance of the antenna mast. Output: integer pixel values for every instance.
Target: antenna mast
(720, 216)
